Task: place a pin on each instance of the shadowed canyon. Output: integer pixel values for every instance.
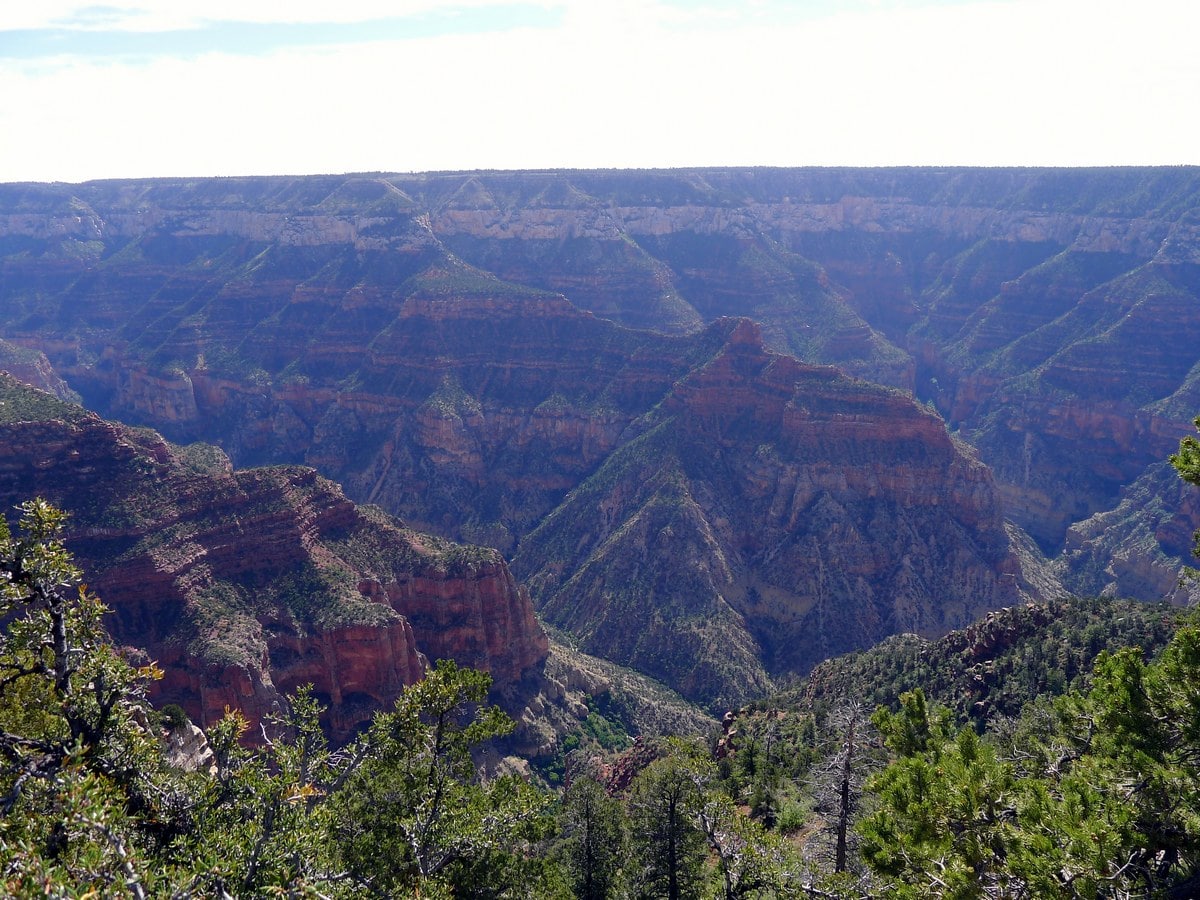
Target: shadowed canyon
(722, 424)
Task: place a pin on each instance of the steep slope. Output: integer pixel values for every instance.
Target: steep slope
(769, 515)
(1140, 548)
(476, 415)
(244, 585)
(465, 404)
(426, 340)
(33, 368)
(993, 667)
(1039, 309)
(642, 279)
(1099, 375)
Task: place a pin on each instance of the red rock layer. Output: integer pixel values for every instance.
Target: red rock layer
(772, 514)
(246, 585)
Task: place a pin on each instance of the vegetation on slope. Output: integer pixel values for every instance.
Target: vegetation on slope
(995, 667)
(1093, 794)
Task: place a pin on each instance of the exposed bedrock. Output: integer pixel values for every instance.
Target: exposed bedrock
(244, 585)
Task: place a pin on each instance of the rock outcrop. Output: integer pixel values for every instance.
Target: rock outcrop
(187, 749)
(1140, 548)
(770, 515)
(461, 350)
(33, 368)
(244, 585)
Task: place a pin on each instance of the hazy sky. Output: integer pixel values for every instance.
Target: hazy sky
(136, 88)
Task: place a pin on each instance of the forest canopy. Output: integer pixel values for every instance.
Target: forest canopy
(1091, 791)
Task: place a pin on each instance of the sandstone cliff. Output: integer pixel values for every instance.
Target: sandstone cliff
(244, 585)
(1035, 308)
(769, 515)
(457, 349)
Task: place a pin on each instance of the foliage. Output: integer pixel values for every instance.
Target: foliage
(1187, 464)
(996, 666)
(1091, 793)
(90, 806)
(665, 803)
(595, 840)
(259, 820)
(938, 830)
(1094, 795)
(412, 812)
(85, 798)
(750, 859)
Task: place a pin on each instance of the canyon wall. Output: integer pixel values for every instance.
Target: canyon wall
(244, 585)
(769, 515)
(469, 349)
(1038, 309)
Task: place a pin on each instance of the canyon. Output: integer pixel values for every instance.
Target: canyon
(724, 423)
(244, 585)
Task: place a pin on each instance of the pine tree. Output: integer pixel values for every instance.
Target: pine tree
(414, 814)
(595, 840)
(942, 821)
(664, 802)
(85, 800)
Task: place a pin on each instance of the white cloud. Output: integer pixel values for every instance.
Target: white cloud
(1057, 82)
(165, 15)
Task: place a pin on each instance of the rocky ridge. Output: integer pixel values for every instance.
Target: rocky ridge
(999, 295)
(450, 346)
(769, 515)
(244, 585)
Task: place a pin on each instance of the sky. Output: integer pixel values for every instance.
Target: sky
(150, 88)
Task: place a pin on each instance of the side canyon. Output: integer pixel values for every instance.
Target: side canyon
(724, 423)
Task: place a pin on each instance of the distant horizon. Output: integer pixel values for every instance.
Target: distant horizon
(239, 88)
(548, 170)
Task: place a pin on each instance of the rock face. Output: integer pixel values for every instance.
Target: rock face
(33, 368)
(187, 748)
(769, 515)
(460, 349)
(244, 585)
(1140, 547)
(1038, 309)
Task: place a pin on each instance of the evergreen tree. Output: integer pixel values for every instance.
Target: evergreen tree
(413, 815)
(258, 822)
(89, 807)
(1187, 464)
(85, 800)
(595, 843)
(1105, 800)
(942, 822)
(664, 803)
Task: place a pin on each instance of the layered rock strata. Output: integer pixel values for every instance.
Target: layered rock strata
(451, 346)
(769, 515)
(244, 585)
(1034, 307)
